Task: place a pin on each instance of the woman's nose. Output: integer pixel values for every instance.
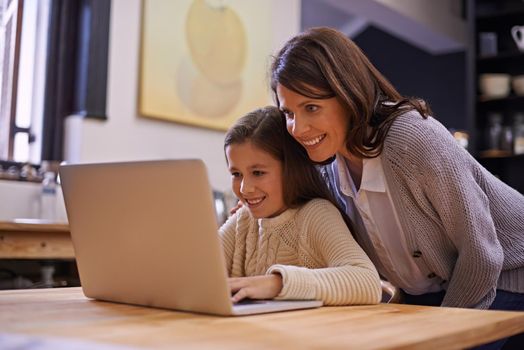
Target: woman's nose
(298, 126)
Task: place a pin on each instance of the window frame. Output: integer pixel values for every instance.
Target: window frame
(12, 23)
(75, 74)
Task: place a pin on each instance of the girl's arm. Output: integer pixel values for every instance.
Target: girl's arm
(348, 277)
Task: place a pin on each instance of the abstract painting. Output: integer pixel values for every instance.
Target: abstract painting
(204, 62)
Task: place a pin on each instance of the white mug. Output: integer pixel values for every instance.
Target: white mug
(518, 35)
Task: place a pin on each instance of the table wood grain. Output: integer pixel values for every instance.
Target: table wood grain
(67, 314)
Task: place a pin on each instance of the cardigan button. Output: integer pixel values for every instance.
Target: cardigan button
(417, 254)
(432, 275)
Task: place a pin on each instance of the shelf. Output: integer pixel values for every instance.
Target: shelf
(494, 153)
(512, 100)
(506, 62)
(498, 17)
(506, 15)
(501, 57)
(499, 154)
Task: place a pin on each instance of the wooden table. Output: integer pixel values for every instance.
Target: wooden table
(35, 239)
(65, 315)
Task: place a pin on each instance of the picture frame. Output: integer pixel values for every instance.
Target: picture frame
(204, 63)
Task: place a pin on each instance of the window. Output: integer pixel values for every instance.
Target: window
(24, 28)
(53, 64)
(11, 11)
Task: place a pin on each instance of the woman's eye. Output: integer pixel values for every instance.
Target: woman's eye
(258, 173)
(312, 108)
(289, 115)
(235, 174)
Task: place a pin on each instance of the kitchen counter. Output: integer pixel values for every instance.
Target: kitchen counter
(35, 239)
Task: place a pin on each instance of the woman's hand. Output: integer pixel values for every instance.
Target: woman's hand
(255, 287)
(235, 208)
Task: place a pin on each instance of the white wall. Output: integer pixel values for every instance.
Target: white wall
(21, 200)
(126, 135)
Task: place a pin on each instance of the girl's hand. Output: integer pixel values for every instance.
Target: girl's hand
(255, 287)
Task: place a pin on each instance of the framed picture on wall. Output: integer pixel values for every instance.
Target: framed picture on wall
(204, 62)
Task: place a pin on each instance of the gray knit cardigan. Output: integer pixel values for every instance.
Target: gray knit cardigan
(461, 222)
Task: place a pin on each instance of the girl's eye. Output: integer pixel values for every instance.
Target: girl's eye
(258, 173)
(235, 174)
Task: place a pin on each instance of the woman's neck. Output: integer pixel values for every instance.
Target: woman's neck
(355, 166)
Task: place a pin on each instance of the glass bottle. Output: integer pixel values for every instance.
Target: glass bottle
(506, 139)
(518, 133)
(494, 131)
(48, 197)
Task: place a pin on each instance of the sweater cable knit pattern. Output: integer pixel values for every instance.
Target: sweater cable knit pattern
(311, 247)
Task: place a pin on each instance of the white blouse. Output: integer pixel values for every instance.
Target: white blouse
(372, 210)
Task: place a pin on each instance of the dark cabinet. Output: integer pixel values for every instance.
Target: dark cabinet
(495, 63)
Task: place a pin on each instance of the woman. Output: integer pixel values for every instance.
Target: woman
(432, 219)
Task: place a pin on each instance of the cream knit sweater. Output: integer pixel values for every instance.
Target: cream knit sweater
(311, 247)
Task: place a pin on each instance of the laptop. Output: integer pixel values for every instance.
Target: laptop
(145, 233)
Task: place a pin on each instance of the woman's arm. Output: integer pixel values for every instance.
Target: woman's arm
(348, 277)
(446, 175)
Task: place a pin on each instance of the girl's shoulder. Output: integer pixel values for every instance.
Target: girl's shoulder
(319, 219)
(241, 215)
(317, 207)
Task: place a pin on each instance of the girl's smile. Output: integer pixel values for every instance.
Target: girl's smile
(256, 178)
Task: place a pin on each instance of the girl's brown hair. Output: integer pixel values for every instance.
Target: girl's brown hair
(266, 129)
(323, 63)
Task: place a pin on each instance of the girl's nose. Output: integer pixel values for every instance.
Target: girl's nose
(246, 186)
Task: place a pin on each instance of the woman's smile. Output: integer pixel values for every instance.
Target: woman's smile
(319, 125)
(314, 141)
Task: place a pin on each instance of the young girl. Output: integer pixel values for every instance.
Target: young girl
(288, 241)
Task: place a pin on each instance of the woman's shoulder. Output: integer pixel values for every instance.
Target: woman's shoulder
(411, 132)
(412, 125)
(422, 146)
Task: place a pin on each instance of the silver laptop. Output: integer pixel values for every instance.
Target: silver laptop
(145, 233)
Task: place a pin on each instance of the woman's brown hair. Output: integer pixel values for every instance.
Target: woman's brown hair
(323, 63)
